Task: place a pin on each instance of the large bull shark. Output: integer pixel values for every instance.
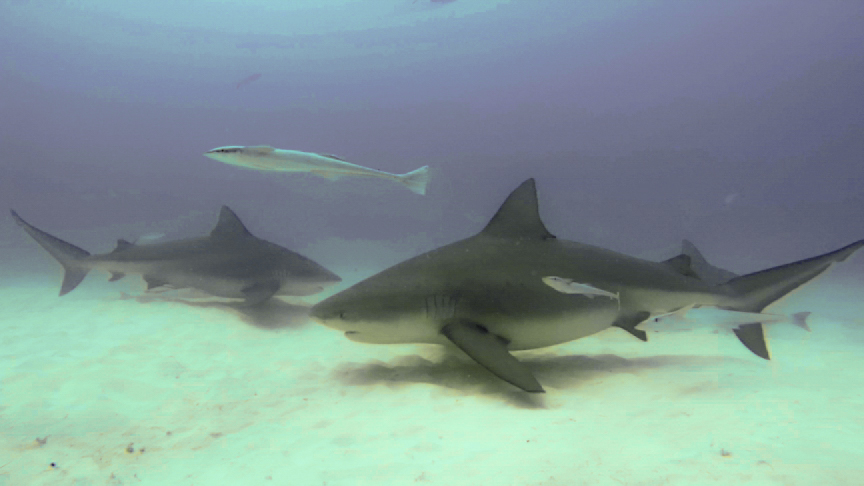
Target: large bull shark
(229, 262)
(515, 286)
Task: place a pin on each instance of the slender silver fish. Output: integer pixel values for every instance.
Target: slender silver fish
(264, 157)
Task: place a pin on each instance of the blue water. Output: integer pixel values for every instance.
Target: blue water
(736, 125)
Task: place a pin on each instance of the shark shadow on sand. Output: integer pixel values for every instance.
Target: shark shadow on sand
(273, 314)
(457, 372)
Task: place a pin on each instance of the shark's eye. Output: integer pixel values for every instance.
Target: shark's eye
(341, 314)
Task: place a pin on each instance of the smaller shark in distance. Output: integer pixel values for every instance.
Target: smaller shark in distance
(515, 286)
(229, 262)
(266, 158)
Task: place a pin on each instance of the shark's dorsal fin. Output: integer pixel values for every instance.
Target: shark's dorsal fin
(519, 216)
(229, 225)
(260, 149)
(122, 245)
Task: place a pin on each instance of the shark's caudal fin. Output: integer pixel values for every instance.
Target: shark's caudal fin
(416, 180)
(67, 254)
(758, 290)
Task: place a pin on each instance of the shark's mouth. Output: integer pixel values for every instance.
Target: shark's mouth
(350, 333)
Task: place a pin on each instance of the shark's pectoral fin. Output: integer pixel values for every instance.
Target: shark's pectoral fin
(753, 336)
(115, 276)
(490, 351)
(259, 292)
(629, 323)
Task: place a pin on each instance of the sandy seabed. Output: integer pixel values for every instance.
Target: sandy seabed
(98, 387)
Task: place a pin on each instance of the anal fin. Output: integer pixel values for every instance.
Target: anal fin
(629, 323)
(490, 351)
(800, 320)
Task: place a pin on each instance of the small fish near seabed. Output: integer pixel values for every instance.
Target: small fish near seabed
(486, 294)
(747, 326)
(229, 262)
(264, 157)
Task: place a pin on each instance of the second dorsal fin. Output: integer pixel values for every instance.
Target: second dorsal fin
(122, 245)
(681, 264)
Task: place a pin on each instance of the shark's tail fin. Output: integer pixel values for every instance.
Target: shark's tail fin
(416, 180)
(67, 254)
(758, 290)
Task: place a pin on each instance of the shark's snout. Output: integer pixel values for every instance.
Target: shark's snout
(322, 314)
(334, 315)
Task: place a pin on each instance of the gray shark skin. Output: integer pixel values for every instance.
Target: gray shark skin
(229, 262)
(486, 295)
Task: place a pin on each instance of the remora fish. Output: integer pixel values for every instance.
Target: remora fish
(568, 286)
(724, 319)
(263, 157)
(486, 296)
(230, 262)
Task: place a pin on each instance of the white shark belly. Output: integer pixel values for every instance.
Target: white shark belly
(543, 331)
(416, 329)
(522, 333)
(216, 286)
(219, 287)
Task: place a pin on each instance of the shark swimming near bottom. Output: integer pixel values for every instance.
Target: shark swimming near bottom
(264, 157)
(491, 294)
(229, 262)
